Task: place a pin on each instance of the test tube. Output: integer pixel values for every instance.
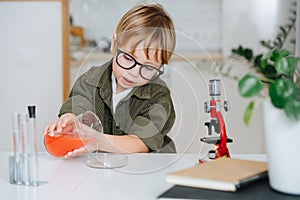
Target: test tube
(24, 135)
(32, 150)
(17, 141)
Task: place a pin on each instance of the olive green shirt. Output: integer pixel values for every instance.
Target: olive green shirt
(147, 111)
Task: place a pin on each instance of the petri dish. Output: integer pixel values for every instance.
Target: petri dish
(106, 160)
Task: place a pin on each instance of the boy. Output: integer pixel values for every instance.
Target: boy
(132, 102)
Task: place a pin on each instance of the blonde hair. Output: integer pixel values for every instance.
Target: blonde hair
(150, 25)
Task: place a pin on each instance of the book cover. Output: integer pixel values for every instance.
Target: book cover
(225, 174)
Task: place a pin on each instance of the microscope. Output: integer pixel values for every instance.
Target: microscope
(216, 123)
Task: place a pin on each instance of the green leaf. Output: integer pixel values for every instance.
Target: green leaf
(265, 58)
(270, 72)
(269, 54)
(250, 86)
(279, 41)
(248, 54)
(237, 51)
(279, 54)
(257, 60)
(283, 53)
(292, 109)
(263, 62)
(293, 63)
(244, 52)
(281, 91)
(249, 113)
(283, 30)
(286, 65)
(282, 66)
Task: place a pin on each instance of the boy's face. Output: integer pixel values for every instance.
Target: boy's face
(129, 78)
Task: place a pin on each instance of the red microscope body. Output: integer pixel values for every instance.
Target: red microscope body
(216, 122)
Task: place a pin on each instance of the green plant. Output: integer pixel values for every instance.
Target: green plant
(276, 72)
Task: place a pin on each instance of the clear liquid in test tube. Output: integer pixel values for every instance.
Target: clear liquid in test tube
(26, 153)
(18, 152)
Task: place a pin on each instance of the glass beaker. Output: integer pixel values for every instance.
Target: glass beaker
(73, 135)
(84, 131)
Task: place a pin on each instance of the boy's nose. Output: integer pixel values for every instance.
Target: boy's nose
(135, 71)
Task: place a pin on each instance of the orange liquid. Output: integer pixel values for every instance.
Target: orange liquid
(59, 146)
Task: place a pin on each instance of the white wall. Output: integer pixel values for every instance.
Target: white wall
(31, 64)
(247, 22)
(199, 19)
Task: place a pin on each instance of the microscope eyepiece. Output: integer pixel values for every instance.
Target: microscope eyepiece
(214, 87)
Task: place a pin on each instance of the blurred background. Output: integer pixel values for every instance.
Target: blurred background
(38, 68)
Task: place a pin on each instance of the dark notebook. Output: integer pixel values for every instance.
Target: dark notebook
(256, 191)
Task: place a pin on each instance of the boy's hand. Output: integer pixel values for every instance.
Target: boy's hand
(88, 148)
(76, 152)
(67, 123)
(56, 127)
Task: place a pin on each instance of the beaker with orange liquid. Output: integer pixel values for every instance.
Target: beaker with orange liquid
(84, 130)
(59, 146)
(75, 135)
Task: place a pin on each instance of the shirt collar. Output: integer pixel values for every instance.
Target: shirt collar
(114, 85)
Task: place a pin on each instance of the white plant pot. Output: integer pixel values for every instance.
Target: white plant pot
(283, 149)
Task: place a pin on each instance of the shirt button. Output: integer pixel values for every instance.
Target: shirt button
(118, 125)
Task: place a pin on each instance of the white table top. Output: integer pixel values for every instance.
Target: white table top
(71, 179)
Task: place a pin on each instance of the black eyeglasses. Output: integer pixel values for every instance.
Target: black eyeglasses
(126, 61)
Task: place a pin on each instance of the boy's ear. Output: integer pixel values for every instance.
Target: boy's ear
(113, 43)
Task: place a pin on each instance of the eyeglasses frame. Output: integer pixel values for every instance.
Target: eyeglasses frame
(160, 72)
